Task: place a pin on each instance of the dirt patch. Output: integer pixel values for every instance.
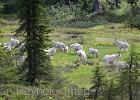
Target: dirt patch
(104, 39)
(75, 36)
(134, 39)
(8, 34)
(74, 32)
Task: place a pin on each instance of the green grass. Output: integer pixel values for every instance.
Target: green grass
(100, 37)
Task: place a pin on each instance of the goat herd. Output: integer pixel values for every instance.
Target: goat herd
(78, 49)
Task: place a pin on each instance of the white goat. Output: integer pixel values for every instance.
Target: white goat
(66, 48)
(59, 45)
(8, 48)
(6, 44)
(81, 55)
(111, 59)
(22, 46)
(51, 51)
(14, 42)
(121, 45)
(93, 51)
(76, 47)
(122, 65)
(20, 60)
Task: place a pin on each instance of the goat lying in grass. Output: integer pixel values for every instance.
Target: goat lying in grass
(122, 65)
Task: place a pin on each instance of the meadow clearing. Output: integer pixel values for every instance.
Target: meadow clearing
(100, 37)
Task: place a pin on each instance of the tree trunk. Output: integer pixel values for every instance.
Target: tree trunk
(67, 2)
(30, 77)
(95, 6)
(130, 87)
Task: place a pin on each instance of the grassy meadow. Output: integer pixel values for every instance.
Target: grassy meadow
(100, 37)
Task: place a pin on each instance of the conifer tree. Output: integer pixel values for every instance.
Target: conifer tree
(98, 81)
(33, 26)
(109, 92)
(7, 70)
(129, 79)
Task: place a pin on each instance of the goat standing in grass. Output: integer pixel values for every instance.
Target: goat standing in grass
(93, 51)
(121, 45)
(76, 47)
(14, 42)
(81, 55)
(8, 48)
(59, 45)
(20, 60)
(111, 59)
(51, 51)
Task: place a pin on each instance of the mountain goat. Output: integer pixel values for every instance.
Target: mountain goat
(93, 51)
(51, 51)
(66, 48)
(111, 59)
(8, 48)
(58, 45)
(14, 42)
(121, 45)
(76, 47)
(81, 55)
(20, 60)
(122, 65)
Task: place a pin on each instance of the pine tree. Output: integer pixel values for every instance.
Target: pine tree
(33, 26)
(129, 79)
(98, 82)
(109, 92)
(7, 70)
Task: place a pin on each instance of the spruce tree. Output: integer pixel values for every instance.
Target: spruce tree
(129, 83)
(7, 69)
(99, 83)
(109, 92)
(34, 28)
